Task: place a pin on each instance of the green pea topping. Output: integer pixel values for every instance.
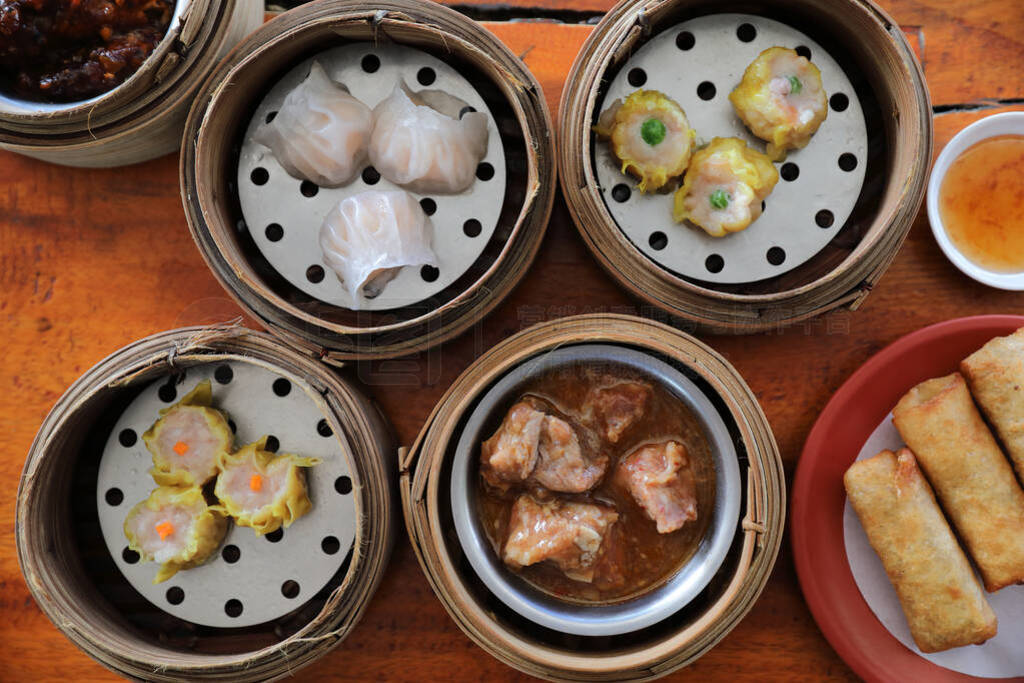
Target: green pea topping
(652, 131)
(719, 199)
(795, 86)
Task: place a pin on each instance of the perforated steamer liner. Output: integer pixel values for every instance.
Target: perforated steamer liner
(224, 107)
(543, 653)
(143, 117)
(890, 88)
(251, 579)
(58, 575)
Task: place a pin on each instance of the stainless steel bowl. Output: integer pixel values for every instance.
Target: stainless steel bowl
(622, 617)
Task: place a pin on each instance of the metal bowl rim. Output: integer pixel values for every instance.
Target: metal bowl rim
(648, 608)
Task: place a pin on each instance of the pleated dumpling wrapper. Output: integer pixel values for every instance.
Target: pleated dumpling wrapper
(369, 237)
(321, 132)
(724, 187)
(175, 527)
(263, 490)
(781, 100)
(187, 439)
(427, 141)
(650, 136)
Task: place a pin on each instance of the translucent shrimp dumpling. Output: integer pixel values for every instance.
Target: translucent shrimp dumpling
(176, 528)
(321, 133)
(187, 439)
(650, 136)
(427, 141)
(262, 490)
(781, 100)
(724, 187)
(369, 237)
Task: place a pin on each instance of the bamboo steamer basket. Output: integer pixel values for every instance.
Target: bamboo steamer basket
(143, 117)
(62, 559)
(224, 106)
(865, 42)
(646, 654)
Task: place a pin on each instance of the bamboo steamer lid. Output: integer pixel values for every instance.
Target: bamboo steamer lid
(655, 651)
(890, 89)
(63, 559)
(143, 117)
(210, 159)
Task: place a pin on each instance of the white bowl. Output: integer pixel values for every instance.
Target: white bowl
(1010, 123)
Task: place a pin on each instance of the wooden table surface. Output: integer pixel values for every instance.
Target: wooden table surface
(91, 260)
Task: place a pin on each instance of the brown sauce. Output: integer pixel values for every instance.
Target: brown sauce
(68, 50)
(981, 203)
(635, 557)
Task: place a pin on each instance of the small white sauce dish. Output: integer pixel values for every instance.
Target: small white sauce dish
(1009, 123)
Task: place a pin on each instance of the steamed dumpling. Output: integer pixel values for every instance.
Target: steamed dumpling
(650, 136)
(724, 187)
(781, 100)
(187, 439)
(368, 237)
(426, 141)
(321, 133)
(262, 490)
(176, 528)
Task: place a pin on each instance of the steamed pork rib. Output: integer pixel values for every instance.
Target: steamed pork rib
(510, 456)
(564, 465)
(174, 527)
(533, 447)
(569, 535)
(660, 478)
(618, 407)
(262, 490)
(781, 100)
(187, 439)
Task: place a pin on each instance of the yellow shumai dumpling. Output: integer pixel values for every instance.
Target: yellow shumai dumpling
(724, 186)
(781, 100)
(650, 136)
(187, 439)
(176, 528)
(262, 490)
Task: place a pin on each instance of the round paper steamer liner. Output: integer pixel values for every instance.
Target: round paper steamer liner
(257, 578)
(281, 201)
(787, 234)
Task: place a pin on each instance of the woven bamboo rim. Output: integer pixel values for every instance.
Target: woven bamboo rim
(47, 548)
(222, 109)
(423, 486)
(879, 50)
(143, 117)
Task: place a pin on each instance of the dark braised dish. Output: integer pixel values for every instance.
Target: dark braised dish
(598, 484)
(69, 50)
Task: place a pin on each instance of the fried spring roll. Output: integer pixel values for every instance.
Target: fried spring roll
(941, 597)
(995, 374)
(971, 477)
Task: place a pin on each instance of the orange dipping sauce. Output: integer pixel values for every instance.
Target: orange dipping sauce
(981, 202)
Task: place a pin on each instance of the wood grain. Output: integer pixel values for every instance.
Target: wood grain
(91, 260)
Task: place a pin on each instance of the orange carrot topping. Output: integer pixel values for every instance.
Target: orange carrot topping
(165, 529)
(181, 448)
(255, 482)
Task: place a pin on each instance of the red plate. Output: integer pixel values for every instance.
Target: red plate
(818, 496)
